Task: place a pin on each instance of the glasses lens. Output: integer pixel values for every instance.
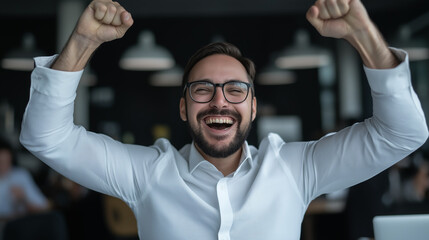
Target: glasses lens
(201, 91)
(236, 92)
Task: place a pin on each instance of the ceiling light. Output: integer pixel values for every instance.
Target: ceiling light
(302, 55)
(272, 75)
(22, 59)
(171, 77)
(146, 55)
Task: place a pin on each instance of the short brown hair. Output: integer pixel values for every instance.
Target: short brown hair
(219, 48)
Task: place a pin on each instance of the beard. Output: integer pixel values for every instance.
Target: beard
(214, 150)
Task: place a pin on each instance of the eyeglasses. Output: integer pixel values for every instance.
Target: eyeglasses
(204, 91)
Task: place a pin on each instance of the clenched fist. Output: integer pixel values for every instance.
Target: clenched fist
(348, 19)
(338, 18)
(103, 21)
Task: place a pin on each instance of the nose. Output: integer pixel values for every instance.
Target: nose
(218, 100)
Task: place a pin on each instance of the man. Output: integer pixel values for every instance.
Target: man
(219, 187)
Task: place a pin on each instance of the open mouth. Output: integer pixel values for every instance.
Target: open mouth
(219, 123)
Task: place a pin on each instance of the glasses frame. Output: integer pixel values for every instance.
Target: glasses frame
(215, 85)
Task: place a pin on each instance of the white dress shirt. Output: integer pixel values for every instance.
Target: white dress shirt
(176, 194)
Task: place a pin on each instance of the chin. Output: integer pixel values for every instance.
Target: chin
(220, 146)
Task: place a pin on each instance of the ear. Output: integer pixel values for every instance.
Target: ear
(254, 107)
(182, 109)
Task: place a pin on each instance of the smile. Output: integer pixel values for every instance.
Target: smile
(219, 123)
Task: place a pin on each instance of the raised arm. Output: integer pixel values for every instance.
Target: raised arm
(348, 19)
(48, 131)
(102, 21)
(397, 127)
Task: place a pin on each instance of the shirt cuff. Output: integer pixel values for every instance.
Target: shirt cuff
(53, 82)
(388, 81)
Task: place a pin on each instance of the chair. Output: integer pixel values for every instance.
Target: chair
(120, 219)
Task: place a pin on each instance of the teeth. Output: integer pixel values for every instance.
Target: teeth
(219, 121)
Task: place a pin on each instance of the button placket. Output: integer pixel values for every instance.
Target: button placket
(226, 214)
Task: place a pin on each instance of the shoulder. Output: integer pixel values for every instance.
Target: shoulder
(20, 172)
(20, 175)
(273, 143)
(164, 145)
(161, 146)
(269, 145)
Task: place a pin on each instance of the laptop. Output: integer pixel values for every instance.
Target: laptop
(401, 227)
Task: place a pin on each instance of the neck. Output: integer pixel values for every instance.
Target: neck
(225, 165)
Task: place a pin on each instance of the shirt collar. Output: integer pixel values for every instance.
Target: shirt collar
(196, 159)
(246, 157)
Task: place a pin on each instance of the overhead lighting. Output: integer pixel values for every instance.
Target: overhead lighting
(417, 53)
(22, 59)
(218, 38)
(303, 55)
(146, 55)
(272, 75)
(171, 77)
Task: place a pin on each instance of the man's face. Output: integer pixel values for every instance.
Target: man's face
(5, 162)
(218, 140)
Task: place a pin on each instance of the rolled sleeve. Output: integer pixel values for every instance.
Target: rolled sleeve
(388, 81)
(52, 82)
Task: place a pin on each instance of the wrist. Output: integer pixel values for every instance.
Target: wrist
(75, 54)
(372, 48)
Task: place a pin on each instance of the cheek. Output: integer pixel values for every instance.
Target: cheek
(193, 110)
(245, 111)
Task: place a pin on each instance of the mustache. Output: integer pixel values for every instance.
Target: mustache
(223, 112)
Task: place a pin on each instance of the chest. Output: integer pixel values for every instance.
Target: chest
(246, 205)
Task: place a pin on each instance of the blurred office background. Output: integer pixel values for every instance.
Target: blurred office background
(303, 93)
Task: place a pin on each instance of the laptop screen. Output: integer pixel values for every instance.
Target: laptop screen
(400, 227)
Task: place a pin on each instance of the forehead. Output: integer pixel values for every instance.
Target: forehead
(218, 68)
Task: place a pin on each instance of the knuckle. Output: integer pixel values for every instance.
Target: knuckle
(101, 10)
(101, 7)
(320, 3)
(112, 9)
(331, 2)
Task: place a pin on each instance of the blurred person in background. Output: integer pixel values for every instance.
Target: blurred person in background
(19, 194)
(414, 178)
